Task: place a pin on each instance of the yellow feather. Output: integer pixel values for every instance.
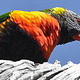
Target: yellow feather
(2, 26)
(58, 10)
(4, 23)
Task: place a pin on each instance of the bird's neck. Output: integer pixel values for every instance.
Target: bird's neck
(65, 32)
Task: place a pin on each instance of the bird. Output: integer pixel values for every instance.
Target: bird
(34, 35)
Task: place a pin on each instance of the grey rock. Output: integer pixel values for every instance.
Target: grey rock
(28, 70)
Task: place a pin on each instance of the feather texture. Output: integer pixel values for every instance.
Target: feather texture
(43, 28)
(33, 35)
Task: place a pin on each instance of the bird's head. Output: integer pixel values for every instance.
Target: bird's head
(69, 23)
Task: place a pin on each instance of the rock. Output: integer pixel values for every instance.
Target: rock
(28, 70)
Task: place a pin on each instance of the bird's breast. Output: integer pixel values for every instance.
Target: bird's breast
(41, 26)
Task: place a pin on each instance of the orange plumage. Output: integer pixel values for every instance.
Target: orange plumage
(33, 35)
(41, 26)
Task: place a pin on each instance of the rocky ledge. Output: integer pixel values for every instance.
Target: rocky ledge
(28, 70)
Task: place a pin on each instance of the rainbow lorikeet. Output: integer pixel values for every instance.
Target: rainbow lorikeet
(33, 35)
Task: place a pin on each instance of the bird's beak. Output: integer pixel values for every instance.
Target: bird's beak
(76, 37)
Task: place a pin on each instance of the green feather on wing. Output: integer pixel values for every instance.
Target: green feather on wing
(4, 17)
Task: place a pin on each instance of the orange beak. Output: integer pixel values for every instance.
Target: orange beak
(76, 37)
